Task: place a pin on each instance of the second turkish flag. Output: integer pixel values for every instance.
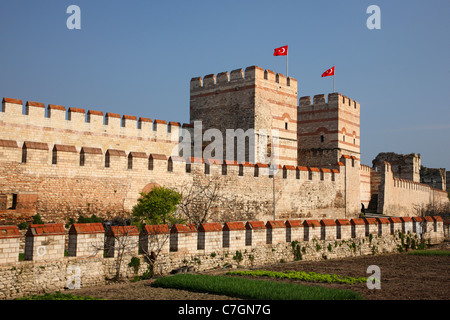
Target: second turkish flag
(329, 72)
(281, 51)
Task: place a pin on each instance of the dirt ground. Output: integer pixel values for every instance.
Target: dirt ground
(403, 277)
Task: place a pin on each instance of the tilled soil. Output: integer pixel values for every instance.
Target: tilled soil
(403, 277)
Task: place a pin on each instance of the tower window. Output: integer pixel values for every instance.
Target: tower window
(286, 125)
(322, 138)
(343, 138)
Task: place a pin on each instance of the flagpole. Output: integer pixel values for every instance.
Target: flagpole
(287, 54)
(333, 79)
(333, 84)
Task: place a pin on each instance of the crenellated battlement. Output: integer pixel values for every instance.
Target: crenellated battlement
(239, 77)
(335, 100)
(56, 116)
(56, 124)
(42, 154)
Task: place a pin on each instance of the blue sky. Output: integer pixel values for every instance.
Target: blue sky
(137, 58)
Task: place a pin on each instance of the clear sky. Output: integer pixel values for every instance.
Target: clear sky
(137, 58)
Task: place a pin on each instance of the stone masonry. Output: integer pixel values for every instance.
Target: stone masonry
(63, 162)
(267, 243)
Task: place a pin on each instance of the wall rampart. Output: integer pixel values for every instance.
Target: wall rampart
(194, 248)
(90, 180)
(77, 127)
(402, 197)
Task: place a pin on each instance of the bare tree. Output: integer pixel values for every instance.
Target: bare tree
(200, 199)
(154, 239)
(205, 200)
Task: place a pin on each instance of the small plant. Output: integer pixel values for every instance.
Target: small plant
(135, 263)
(252, 259)
(318, 247)
(374, 249)
(213, 255)
(330, 247)
(238, 257)
(296, 249)
(23, 225)
(37, 219)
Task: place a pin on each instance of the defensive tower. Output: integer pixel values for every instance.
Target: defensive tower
(327, 130)
(256, 99)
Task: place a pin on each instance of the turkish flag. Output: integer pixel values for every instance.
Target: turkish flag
(329, 72)
(281, 51)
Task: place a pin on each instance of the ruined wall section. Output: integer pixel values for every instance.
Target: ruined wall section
(405, 197)
(434, 177)
(403, 166)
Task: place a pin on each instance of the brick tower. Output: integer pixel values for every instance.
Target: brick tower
(257, 99)
(327, 130)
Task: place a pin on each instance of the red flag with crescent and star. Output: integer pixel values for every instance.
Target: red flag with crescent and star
(329, 72)
(281, 51)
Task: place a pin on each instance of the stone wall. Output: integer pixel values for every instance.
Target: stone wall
(108, 183)
(402, 197)
(265, 243)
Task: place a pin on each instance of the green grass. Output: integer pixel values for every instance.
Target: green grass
(430, 253)
(56, 296)
(301, 275)
(253, 289)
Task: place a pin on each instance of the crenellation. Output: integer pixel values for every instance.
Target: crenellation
(13, 107)
(113, 121)
(129, 122)
(35, 110)
(145, 124)
(138, 161)
(269, 75)
(209, 80)
(319, 99)
(158, 162)
(95, 119)
(56, 113)
(76, 116)
(311, 230)
(328, 229)
(223, 77)
(116, 160)
(294, 231)
(275, 232)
